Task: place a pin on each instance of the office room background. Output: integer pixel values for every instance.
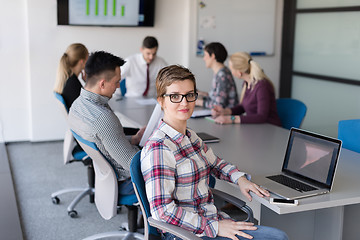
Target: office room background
(31, 44)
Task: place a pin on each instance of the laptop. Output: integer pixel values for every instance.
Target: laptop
(309, 166)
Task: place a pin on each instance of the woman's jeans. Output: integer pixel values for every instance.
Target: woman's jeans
(262, 233)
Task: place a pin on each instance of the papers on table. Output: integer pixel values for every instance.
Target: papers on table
(201, 113)
(127, 122)
(146, 101)
(154, 120)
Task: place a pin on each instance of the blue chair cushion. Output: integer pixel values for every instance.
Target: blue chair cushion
(127, 199)
(349, 134)
(123, 87)
(291, 112)
(138, 179)
(78, 153)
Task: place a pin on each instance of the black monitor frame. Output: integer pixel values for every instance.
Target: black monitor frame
(147, 8)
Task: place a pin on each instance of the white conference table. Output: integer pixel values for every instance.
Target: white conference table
(259, 149)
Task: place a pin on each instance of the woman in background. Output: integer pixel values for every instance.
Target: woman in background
(71, 64)
(257, 99)
(223, 91)
(176, 165)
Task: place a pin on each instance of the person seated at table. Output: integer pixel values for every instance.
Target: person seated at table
(257, 99)
(71, 65)
(92, 118)
(140, 69)
(176, 165)
(223, 91)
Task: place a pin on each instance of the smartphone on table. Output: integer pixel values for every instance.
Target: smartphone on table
(283, 201)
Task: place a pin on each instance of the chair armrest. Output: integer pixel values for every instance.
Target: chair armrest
(177, 231)
(235, 201)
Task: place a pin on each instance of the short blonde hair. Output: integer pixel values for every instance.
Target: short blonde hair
(170, 74)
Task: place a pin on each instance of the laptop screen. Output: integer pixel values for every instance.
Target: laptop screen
(312, 156)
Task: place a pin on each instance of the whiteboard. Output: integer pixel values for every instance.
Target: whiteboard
(240, 25)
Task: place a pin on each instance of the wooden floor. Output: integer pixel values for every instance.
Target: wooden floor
(10, 227)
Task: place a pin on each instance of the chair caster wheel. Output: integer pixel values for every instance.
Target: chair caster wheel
(72, 214)
(55, 200)
(118, 209)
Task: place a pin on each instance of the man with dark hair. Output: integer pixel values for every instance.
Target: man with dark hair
(140, 69)
(91, 117)
(150, 42)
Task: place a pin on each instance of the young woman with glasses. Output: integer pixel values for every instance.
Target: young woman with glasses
(176, 165)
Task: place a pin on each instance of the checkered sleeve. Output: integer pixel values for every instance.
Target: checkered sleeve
(158, 166)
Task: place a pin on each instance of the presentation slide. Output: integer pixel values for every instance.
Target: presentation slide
(104, 12)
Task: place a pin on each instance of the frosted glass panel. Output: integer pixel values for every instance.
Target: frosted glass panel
(327, 103)
(328, 44)
(326, 3)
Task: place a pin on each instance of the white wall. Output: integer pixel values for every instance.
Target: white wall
(14, 62)
(31, 44)
(270, 64)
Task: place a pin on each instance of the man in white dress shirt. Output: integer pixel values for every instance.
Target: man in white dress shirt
(141, 69)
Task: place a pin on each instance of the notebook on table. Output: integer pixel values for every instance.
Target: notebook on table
(308, 168)
(207, 138)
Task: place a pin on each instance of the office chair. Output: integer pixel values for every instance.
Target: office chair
(151, 225)
(349, 134)
(291, 112)
(123, 87)
(106, 193)
(73, 153)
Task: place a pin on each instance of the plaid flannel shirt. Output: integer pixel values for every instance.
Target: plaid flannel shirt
(176, 170)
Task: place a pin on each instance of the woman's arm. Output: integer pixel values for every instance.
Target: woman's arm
(229, 172)
(237, 110)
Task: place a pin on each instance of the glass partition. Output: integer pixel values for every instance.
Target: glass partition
(326, 3)
(328, 44)
(327, 103)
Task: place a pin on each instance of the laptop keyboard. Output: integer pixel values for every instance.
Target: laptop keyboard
(298, 186)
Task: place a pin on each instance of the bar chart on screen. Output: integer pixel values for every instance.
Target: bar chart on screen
(104, 12)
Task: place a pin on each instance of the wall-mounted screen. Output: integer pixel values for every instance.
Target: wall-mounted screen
(128, 13)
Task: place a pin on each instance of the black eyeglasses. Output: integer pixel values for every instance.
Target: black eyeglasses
(177, 98)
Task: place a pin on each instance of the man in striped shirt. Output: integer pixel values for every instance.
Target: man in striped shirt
(92, 118)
